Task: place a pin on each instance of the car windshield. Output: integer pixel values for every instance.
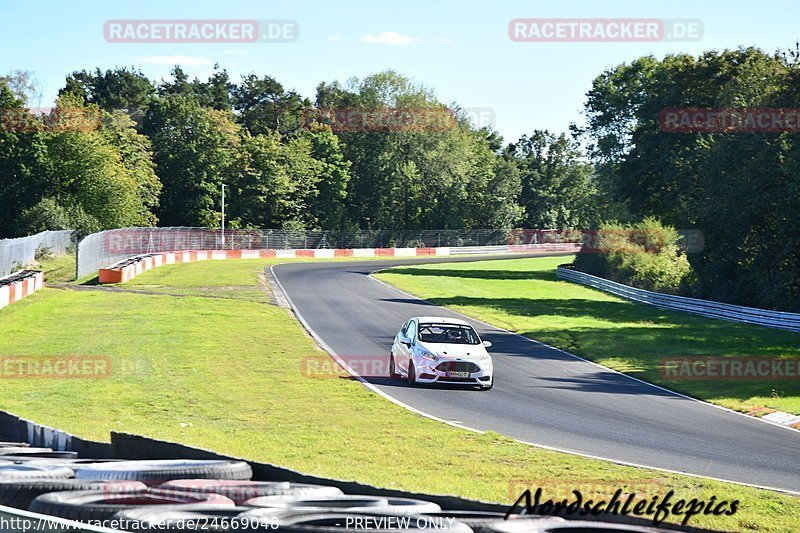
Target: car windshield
(448, 333)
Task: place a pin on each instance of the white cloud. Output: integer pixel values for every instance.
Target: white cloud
(184, 61)
(391, 38)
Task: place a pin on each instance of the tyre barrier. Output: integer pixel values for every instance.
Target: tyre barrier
(23, 471)
(241, 491)
(217, 495)
(19, 285)
(20, 493)
(213, 518)
(101, 505)
(157, 472)
(338, 521)
(351, 503)
(127, 269)
(35, 453)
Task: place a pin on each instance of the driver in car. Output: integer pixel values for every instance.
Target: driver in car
(455, 335)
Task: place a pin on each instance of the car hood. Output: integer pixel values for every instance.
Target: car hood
(455, 351)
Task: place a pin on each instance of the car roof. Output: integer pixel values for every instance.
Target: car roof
(441, 320)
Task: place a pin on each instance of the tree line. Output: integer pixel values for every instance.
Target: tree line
(163, 150)
(119, 149)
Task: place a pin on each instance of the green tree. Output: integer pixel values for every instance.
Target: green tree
(126, 89)
(740, 189)
(558, 190)
(196, 150)
(263, 104)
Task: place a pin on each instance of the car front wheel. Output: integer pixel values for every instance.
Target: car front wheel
(412, 374)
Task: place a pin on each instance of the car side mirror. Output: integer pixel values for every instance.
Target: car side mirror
(487, 344)
(406, 341)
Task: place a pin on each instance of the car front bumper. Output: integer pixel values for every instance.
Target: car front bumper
(470, 373)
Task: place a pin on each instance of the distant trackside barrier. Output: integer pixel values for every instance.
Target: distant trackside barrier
(19, 285)
(734, 313)
(127, 269)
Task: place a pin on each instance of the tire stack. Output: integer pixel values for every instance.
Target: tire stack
(219, 496)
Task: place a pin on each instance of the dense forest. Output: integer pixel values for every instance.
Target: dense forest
(119, 149)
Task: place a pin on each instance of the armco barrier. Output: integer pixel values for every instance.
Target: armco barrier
(733, 313)
(129, 268)
(20, 285)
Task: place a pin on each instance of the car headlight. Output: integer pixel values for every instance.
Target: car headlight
(428, 356)
(485, 357)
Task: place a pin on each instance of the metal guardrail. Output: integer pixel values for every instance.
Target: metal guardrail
(15, 253)
(723, 311)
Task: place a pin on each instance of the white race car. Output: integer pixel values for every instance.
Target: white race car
(441, 350)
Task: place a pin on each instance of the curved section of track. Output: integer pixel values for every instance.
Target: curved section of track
(544, 395)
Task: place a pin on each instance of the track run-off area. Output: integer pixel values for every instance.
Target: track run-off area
(542, 395)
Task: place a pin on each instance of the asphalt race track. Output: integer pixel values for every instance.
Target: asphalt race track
(542, 395)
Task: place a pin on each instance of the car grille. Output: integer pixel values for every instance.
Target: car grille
(458, 366)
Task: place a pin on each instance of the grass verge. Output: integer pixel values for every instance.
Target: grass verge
(222, 372)
(525, 296)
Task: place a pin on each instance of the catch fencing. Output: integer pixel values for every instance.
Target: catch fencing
(16, 253)
(723, 311)
(100, 250)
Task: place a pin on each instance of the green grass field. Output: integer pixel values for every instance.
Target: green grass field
(525, 296)
(199, 356)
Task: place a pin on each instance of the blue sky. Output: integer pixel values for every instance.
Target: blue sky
(459, 48)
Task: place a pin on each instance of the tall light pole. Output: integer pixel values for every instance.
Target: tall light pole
(223, 216)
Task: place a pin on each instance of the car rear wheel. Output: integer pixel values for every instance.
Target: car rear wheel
(393, 373)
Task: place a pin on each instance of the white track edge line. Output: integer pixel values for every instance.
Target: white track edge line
(404, 405)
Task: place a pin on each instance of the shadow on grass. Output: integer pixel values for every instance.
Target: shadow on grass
(630, 334)
(541, 275)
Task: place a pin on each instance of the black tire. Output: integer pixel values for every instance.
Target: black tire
(412, 374)
(393, 373)
(13, 450)
(20, 493)
(46, 461)
(103, 504)
(336, 522)
(23, 471)
(190, 517)
(348, 503)
(241, 491)
(20, 454)
(161, 471)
